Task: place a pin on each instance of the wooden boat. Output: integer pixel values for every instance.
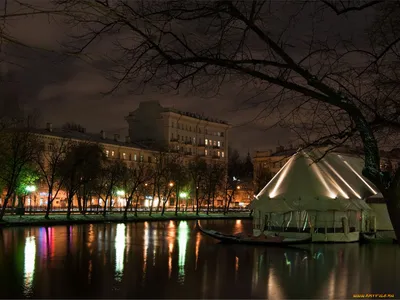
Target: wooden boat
(375, 237)
(251, 240)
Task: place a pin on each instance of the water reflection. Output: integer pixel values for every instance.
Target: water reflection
(186, 264)
(120, 243)
(183, 236)
(29, 264)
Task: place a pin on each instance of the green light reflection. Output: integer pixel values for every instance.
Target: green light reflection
(183, 237)
(29, 264)
(120, 244)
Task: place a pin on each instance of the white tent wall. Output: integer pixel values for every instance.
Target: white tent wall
(306, 222)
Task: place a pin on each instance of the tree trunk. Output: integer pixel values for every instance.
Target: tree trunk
(49, 201)
(176, 200)
(105, 207)
(3, 209)
(163, 207)
(111, 202)
(80, 198)
(128, 202)
(159, 200)
(137, 204)
(14, 199)
(208, 202)
(70, 196)
(227, 204)
(152, 199)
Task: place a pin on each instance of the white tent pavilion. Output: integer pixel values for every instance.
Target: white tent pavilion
(324, 199)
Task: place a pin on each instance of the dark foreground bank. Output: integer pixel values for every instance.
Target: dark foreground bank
(39, 220)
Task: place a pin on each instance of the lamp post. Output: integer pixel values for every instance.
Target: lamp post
(30, 189)
(120, 193)
(183, 195)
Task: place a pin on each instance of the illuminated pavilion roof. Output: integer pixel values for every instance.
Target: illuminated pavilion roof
(334, 182)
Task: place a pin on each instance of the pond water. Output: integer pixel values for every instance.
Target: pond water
(172, 260)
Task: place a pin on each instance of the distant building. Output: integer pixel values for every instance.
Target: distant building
(183, 132)
(272, 160)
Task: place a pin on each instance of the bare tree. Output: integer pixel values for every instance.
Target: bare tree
(135, 176)
(18, 150)
(77, 168)
(49, 160)
(214, 176)
(110, 178)
(261, 177)
(197, 169)
(326, 75)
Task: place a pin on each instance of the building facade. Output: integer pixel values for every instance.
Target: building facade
(177, 131)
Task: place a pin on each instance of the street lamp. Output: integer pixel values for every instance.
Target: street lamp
(183, 195)
(30, 189)
(171, 184)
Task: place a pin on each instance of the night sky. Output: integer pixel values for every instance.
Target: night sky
(69, 89)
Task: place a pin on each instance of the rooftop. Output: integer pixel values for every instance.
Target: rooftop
(194, 115)
(90, 137)
(155, 105)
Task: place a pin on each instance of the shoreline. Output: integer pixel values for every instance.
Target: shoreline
(39, 220)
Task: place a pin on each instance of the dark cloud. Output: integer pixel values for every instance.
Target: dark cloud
(66, 89)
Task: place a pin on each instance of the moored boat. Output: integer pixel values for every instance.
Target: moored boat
(378, 237)
(252, 240)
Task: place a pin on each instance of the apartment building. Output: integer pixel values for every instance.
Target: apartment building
(187, 133)
(114, 147)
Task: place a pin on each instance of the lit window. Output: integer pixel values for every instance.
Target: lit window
(194, 140)
(134, 157)
(222, 154)
(205, 152)
(219, 144)
(206, 141)
(141, 157)
(215, 143)
(219, 154)
(124, 155)
(210, 142)
(218, 133)
(112, 153)
(107, 153)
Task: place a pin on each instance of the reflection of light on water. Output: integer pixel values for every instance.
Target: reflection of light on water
(331, 285)
(29, 263)
(119, 251)
(255, 274)
(183, 234)
(274, 291)
(170, 250)
(198, 238)
(171, 224)
(90, 271)
(238, 226)
(171, 240)
(236, 267)
(145, 247)
(288, 263)
(154, 245)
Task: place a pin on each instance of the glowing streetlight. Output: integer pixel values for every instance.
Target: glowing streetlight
(183, 195)
(171, 184)
(30, 188)
(238, 187)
